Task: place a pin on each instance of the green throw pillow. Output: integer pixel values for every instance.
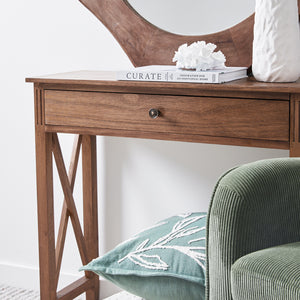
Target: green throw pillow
(166, 261)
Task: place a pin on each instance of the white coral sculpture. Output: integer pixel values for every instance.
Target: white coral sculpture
(199, 56)
(180, 229)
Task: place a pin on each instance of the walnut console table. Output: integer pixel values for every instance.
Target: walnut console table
(90, 103)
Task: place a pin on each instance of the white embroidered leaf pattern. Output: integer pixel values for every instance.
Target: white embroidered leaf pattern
(181, 229)
(197, 240)
(189, 231)
(192, 253)
(142, 245)
(149, 261)
(185, 222)
(161, 241)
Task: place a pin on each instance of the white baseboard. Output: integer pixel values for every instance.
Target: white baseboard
(27, 277)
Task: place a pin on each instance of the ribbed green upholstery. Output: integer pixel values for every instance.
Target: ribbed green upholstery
(273, 273)
(255, 206)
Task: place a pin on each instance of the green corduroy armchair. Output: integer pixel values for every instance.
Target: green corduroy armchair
(253, 233)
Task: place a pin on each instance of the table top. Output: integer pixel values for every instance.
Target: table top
(108, 79)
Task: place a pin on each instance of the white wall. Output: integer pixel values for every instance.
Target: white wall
(191, 17)
(140, 181)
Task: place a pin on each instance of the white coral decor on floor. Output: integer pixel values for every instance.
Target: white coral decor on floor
(276, 45)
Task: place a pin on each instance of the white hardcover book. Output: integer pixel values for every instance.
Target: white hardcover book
(172, 74)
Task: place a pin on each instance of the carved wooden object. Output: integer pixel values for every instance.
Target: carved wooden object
(146, 44)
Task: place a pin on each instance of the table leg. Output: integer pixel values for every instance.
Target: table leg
(44, 174)
(47, 144)
(90, 210)
(295, 125)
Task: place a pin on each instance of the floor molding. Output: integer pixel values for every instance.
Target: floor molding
(27, 278)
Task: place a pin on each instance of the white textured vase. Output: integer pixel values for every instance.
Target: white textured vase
(276, 44)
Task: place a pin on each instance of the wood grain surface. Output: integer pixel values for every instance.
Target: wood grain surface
(146, 44)
(105, 81)
(221, 117)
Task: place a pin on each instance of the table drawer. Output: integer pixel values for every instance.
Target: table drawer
(223, 117)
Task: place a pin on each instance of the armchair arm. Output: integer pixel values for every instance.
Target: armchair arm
(253, 207)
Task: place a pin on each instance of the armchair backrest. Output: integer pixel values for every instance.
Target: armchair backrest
(254, 206)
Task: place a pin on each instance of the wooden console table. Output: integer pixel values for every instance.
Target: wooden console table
(90, 103)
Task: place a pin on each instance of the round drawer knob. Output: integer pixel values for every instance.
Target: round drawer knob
(154, 113)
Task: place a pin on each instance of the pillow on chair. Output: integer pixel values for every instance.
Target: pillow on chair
(166, 261)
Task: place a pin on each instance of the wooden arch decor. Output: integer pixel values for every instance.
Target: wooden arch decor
(146, 44)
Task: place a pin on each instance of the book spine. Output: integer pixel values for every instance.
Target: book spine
(166, 76)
